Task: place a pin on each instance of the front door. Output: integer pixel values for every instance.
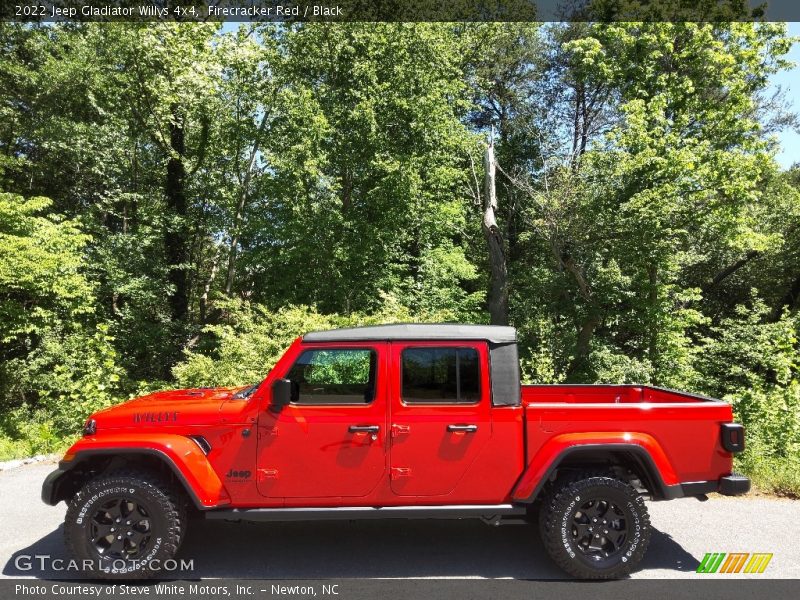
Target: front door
(440, 415)
(330, 441)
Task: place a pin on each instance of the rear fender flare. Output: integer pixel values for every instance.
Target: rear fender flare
(643, 447)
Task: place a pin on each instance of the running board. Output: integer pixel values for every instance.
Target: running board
(450, 511)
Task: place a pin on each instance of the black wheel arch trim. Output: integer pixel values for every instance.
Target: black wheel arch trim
(51, 485)
(56, 479)
(656, 485)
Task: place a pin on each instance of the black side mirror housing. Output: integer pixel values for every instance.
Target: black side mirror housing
(281, 394)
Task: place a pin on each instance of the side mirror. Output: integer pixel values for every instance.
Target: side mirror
(281, 394)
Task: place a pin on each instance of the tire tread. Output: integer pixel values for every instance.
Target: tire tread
(555, 503)
(170, 500)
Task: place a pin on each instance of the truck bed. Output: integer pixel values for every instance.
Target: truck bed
(606, 394)
(685, 427)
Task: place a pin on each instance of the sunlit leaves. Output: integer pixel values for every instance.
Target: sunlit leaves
(41, 276)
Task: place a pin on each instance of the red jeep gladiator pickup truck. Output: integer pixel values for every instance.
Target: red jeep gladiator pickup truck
(394, 421)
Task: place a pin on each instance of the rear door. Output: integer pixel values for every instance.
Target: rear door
(440, 414)
(331, 440)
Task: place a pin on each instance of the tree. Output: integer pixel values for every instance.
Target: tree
(42, 284)
(674, 167)
(498, 276)
(165, 75)
(366, 178)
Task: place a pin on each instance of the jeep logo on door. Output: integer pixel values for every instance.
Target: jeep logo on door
(233, 474)
(156, 417)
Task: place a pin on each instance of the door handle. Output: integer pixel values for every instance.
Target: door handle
(462, 428)
(364, 428)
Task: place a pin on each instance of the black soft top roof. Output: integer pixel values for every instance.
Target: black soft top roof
(417, 331)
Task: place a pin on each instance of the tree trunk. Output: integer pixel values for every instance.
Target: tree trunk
(790, 299)
(652, 275)
(244, 190)
(730, 270)
(233, 248)
(498, 271)
(207, 288)
(175, 241)
(583, 345)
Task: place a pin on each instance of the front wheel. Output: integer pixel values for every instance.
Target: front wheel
(128, 524)
(595, 528)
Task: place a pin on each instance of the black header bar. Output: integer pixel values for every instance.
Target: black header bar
(53, 11)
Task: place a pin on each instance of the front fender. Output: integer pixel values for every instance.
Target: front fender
(181, 454)
(547, 459)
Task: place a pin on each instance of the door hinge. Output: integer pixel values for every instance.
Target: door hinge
(399, 472)
(400, 429)
(267, 474)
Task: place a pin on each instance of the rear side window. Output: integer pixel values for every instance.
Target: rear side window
(441, 376)
(345, 376)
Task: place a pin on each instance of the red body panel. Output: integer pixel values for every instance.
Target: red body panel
(426, 459)
(305, 455)
(194, 468)
(681, 432)
(307, 451)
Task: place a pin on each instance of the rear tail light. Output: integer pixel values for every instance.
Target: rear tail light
(733, 437)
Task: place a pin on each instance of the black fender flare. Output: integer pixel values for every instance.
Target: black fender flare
(58, 485)
(642, 460)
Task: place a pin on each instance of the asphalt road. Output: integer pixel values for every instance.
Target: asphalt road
(684, 530)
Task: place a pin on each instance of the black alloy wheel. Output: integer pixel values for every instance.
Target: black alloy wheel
(600, 529)
(595, 527)
(120, 529)
(126, 524)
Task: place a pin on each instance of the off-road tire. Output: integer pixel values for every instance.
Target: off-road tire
(165, 510)
(562, 509)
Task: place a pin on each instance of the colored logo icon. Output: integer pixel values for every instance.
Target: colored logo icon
(734, 562)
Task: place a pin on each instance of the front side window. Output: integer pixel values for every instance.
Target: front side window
(343, 376)
(441, 376)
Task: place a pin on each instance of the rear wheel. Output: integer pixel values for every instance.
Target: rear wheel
(126, 524)
(595, 528)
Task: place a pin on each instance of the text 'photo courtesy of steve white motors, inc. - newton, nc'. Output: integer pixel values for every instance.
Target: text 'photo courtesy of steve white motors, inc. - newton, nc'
(177, 590)
(289, 10)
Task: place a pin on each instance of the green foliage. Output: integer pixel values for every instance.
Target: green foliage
(772, 418)
(41, 283)
(54, 371)
(75, 375)
(281, 178)
(753, 363)
(337, 367)
(247, 344)
(748, 351)
(25, 433)
(363, 195)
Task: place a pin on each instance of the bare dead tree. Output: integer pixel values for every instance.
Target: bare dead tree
(498, 269)
(553, 211)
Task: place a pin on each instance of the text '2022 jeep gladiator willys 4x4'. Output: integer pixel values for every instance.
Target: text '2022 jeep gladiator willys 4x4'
(394, 421)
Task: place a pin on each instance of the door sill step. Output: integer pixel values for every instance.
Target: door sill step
(447, 511)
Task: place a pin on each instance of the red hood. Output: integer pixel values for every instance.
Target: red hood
(199, 406)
